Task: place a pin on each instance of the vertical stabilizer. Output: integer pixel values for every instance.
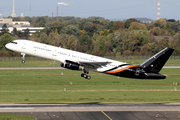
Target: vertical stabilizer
(156, 62)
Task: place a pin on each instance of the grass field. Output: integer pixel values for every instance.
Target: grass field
(46, 63)
(37, 63)
(15, 117)
(170, 62)
(50, 86)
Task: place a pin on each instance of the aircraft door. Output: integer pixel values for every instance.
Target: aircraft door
(36, 52)
(54, 52)
(24, 46)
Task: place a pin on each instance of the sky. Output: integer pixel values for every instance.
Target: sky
(109, 9)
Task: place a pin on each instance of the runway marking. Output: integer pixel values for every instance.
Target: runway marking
(5, 105)
(12, 108)
(106, 115)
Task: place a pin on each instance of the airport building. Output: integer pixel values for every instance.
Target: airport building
(19, 25)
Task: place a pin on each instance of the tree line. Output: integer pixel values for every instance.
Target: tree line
(99, 36)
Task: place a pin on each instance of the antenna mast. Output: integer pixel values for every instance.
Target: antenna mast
(57, 10)
(159, 13)
(13, 13)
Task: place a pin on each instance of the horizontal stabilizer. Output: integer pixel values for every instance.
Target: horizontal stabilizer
(156, 62)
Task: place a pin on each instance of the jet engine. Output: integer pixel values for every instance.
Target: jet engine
(70, 65)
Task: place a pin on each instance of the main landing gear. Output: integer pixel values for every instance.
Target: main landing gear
(85, 74)
(23, 57)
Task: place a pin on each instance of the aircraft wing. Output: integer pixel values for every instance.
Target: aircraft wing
(93, 65)
(90, 65)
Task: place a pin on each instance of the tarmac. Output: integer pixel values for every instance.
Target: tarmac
(96, 111)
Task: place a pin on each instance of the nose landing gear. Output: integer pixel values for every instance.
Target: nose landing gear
(23, 61)
(23, 57)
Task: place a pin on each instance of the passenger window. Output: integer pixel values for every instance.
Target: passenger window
(14, 42)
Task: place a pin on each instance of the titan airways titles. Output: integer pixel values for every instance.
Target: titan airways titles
(80, 61)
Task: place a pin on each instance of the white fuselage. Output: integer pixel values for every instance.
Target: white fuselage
(59, 54)
(80, 61)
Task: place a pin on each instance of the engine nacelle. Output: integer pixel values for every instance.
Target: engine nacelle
(70, 65)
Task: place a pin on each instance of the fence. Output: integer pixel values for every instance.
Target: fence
(110, 57)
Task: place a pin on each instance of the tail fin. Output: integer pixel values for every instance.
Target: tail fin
(156, 62)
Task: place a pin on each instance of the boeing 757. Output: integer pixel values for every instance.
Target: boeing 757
(81, 61)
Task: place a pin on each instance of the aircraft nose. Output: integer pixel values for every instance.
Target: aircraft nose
(7, 46)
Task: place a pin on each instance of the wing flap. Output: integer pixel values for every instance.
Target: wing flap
(94, 65)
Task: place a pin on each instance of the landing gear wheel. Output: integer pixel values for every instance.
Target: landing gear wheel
(85, 76)
(23, 61)
(23, 57)
(82, 75)
(88, 77)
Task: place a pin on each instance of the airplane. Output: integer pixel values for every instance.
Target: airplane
(81, 61)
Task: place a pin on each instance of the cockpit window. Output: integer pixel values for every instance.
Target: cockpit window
(14, 42)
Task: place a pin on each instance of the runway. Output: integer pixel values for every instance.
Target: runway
(11, 68)
(96, 111)
(90, 107)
